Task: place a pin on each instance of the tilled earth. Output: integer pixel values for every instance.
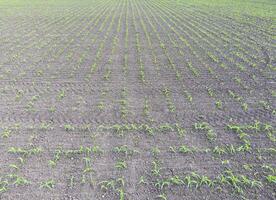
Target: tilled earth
(135, 99)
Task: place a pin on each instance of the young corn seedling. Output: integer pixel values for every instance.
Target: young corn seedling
(61, 95)
(205, 180)
(245, 106)
(193, 69)
(210, 92)
(162, 196)
(146, 107)
(25, 152)
(101, 105)
(166, 128)
(6, 133)
(52, 163)
(147, 129)
(48, 184)
(87, 164)
(155, 168)
(14, 166)
(121, 165)
(219, 150)
(180, 130)
(168, 96)
(18, 180)
(121, 194)
(269, 168)
(107, 74)
(271, 179)
(211, 135)
(219, 104)
(68, 127)
(190, 182)
(71, 184)
(52, 109)
(45, 126)
(105, 185)
(184, 149)
(3, 185)
(19, 95)
(155, 151)
(112, 184)
(161, 184)
(142, 181)
(176, 180)
(172, 149)
(188, 96)
(125, 150)
(124, 103)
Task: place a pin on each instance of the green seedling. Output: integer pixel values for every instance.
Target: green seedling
(6, 133)
(48, 184)
(219, 104)
(155, 151)
(162, 196)
(155, 168)
(142, 181)
(68, 127)
(271, 179)
(184, 149)
(61, 95)
(20, 181)
(121, 165)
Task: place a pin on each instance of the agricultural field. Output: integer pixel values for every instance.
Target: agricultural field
(137, 99)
